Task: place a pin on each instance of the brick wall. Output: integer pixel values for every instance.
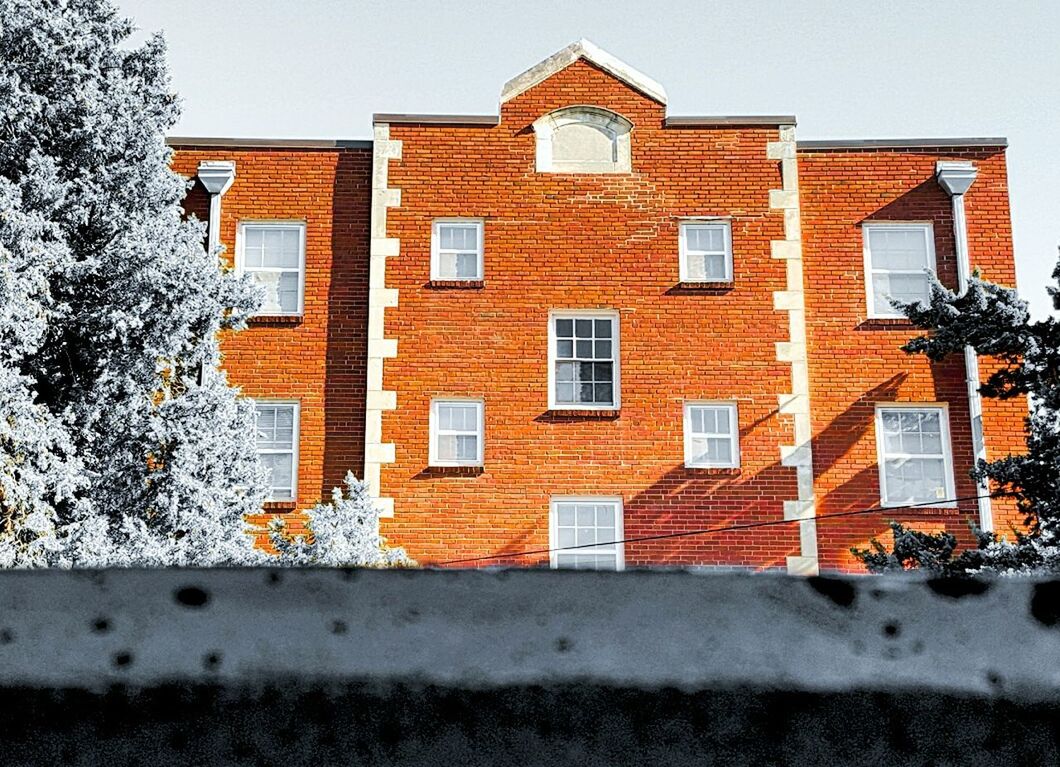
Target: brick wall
(586, 242)
(319, 360)
(566, 241)
(856, 362)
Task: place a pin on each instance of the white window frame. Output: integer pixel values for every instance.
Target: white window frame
(947, 453)
(295, 438)
(734, 437)
(582, 314)
(553, 526)
(436, 259)
(929, 233)
(432, 452)
(242, 268)
(683, 251)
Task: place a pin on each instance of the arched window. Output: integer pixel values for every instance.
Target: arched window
(583, 139)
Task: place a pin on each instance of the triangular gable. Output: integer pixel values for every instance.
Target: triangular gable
(583, 49)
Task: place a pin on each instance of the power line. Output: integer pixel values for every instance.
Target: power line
(744, 526)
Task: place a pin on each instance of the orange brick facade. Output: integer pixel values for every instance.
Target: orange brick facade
(607, 242)
(319, 359)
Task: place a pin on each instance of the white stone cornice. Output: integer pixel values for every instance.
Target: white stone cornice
(583, 49)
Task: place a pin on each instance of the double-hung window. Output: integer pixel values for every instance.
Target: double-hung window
(706, 251)
(456, 249)
(273, 254)
(456, 433)
(277, 441)
(711, 435)
(583, 360)
(896, 259)
(913, 442)
(596, 524)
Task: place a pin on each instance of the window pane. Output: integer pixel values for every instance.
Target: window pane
(907, 288)
(279, 467)
(565, 393)
(255, 237)
(705, 238)
(565, 537)
(565, 513)
(603, 350)
(714, 267)
(585, 393)
(565, 328)
(603, 328)
(897, 248)
(467, 448)
(586, 514)
(447, 447)
(565, 371)
(583, 328)
(604, 394)
(467, 266)
(585, 349)
(565, 349)
(602, 371)
(719, 450)
(287, 292)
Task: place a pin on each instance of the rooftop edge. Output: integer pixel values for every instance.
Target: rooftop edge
(903, 143)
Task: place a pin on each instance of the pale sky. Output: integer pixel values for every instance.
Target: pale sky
(846, 68)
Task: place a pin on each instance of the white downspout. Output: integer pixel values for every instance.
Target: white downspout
(217, 177)
(956, 178)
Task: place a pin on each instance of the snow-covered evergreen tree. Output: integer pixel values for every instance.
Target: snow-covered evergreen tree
(111, 451)
(995, 321)
(344, 533)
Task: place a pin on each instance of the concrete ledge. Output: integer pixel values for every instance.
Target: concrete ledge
(707, 121)
(524, 667)
(268, 143)
(903, 143)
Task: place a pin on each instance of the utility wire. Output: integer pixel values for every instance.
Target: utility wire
(744, 526)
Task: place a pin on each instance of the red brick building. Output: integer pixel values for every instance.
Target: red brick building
(583, 320)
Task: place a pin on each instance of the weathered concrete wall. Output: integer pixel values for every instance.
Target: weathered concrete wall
(523, 667)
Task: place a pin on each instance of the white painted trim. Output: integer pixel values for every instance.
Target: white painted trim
(240, 260)
(947, 452)
(929, 235)
(616, 356)
(432, 449)
(734, 436)
(682, 247)
(436, 265)
(296, 440)
(583, 49)
(620, 525)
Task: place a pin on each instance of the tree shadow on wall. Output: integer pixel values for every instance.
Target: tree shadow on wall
(685, 500)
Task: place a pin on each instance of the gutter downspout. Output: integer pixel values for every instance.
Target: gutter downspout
(217, 177)
(956, 178)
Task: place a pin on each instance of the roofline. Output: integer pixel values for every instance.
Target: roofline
(583, 49)
(422, 119)
(902, 143)
(265, 143)
(695, 121)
